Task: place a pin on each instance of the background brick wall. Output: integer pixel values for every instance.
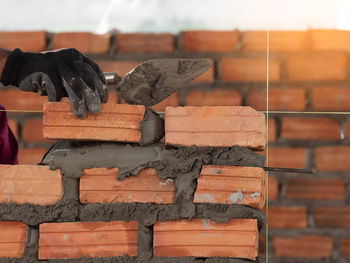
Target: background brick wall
(309, 215)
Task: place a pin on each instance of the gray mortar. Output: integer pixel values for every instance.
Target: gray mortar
(180, 163)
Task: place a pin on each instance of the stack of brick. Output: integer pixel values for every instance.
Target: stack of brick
(308, 72)
(195, 195)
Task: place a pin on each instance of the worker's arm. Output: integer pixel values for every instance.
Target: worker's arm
(61, 73)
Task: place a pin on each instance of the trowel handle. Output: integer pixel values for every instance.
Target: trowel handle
(112, 78)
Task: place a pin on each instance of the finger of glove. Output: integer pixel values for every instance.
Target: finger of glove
(96, 68)
(92, 100)
(38, 82)
(91, 79)
(74, 88)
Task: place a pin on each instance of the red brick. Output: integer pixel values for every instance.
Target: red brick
(248, 70)
(287, 217)
(279, 99)
(12, 239)
(287, 157)
(327, 98)
(15, 99)
(212, 41)
(278, 40)
(24, 184)
(87, 239)
(172, 100)
(317, 68)
(311, 128)
(206, 77)
(330, 40)
(272, 130)
(100, 185)
(307, 246)
(231, 185)
(347, 129)
(115, 122)
(215, 126)
(333, 158)
(33, 41)
(112, 96)
(345, 247)
(205, 238)
(32, 131)
(145, 43)
(13, 124)
(332, 216)
(273, 188)
(317, 189)
(214, 98)
(121, 67)
(85, 42)
(31, 155)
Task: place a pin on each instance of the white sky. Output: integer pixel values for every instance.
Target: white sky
(172, 15)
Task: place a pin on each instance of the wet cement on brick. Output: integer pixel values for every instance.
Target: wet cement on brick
(180, 163)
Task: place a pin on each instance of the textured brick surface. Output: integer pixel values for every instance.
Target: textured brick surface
(115, 122)
(145, 43)
(31, 155)
(307, 246)
(345, 247)
(12, 239)
(317, 189)
(231, 185)
(205, 238)
(212, 41)
(214, 98)
(332, 216)
(317, 68)
(330, 40)
(272, 130)
(279, 99)
(273, 188)
(333, 158)
(311, 128)
(278, 40)
(248, 70)
(287, 217)
(24, 184)
(87, 239)
(327, 98)
(32, 131)
(287, 157)
(85, 42)
(215, 126)
(16, 99)
(100, 185)
(33, 41)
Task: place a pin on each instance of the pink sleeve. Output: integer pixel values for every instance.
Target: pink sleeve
(8, 142)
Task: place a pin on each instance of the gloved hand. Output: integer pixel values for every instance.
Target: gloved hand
(60, 73)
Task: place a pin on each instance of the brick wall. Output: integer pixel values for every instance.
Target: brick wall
(309, 71)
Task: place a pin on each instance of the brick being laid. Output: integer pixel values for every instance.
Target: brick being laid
(87, 239)
(115, 122)
(231, 185)
(219, 126)
(100, 185)
(204, 238)
(12, 239)
(21, 184)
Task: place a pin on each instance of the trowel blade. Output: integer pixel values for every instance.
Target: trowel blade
(154, 80)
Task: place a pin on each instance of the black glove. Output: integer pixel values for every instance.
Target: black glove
(60, 73)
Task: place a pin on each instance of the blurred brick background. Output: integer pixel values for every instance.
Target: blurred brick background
(309, 215)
